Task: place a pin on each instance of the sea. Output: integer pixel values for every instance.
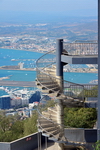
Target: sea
(13, 57)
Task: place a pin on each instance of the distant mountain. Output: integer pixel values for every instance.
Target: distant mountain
(89, 26)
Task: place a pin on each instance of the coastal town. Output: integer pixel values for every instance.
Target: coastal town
(42, 38)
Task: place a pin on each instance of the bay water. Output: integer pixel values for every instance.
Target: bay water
(13, 57)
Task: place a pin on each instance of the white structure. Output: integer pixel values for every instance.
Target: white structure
(20, 65)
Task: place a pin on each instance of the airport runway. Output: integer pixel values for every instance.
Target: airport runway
(17, 83)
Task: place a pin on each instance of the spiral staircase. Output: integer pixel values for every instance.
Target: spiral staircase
(61, 94)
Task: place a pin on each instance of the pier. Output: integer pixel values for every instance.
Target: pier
(17, 83)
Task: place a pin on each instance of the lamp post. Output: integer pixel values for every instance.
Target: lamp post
(98, 125)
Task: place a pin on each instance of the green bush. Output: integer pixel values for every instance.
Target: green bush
(80, 117)
(96, 146)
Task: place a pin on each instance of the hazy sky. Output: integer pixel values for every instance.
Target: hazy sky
(70, 7)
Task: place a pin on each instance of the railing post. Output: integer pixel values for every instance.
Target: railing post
(98, 121)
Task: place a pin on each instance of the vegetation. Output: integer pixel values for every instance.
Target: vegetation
(80, 117)
(30, 125)
(96, 146)
(12, 128)
(77, 117)
(93, 92)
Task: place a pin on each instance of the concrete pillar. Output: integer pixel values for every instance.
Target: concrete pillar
(59, 75)
(98, 125)
(60, 112)
(59, 64)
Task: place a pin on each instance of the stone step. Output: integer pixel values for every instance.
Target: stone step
(52, 86)
(50, 69)
(52, 73)
(46, 125)
(55, 132)
(51, 117)
(52, 110)
(50, 129)
(53, 94)
(49, 114)
(50, 91)
(55, 135)
(44, 121)
(44, 77)
(46, 80)
(49, 82)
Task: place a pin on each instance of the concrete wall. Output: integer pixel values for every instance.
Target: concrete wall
(4, 146)
(81, 135)
(72, 134)
(87, 136)
(27, 143)
(75, 134)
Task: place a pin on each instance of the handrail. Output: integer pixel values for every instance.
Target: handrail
(81, 48)
(41, 71)
(57, 124)
(73, 90)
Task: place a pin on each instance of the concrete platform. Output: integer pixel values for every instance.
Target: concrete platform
(50, 146)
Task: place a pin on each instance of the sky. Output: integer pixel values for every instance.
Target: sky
(14, 8)
(72, 6)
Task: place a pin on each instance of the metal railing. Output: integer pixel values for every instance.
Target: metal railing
(77, 48)
(43, 108)
(90, 90)
(69, 88)
(46, 64)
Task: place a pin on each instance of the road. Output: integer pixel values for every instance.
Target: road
(17, 83)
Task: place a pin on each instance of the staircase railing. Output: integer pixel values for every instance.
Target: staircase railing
(48, 60)
(49, 120)
(46, 81)
(50, 84)
(43, 107)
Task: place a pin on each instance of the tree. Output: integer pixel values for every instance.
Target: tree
(30, 125)
(4, 123)
(17, 129)
(80, 117)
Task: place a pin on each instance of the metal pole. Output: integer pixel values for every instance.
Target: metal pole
(38, 141)
(45, 143)
(98, 126)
